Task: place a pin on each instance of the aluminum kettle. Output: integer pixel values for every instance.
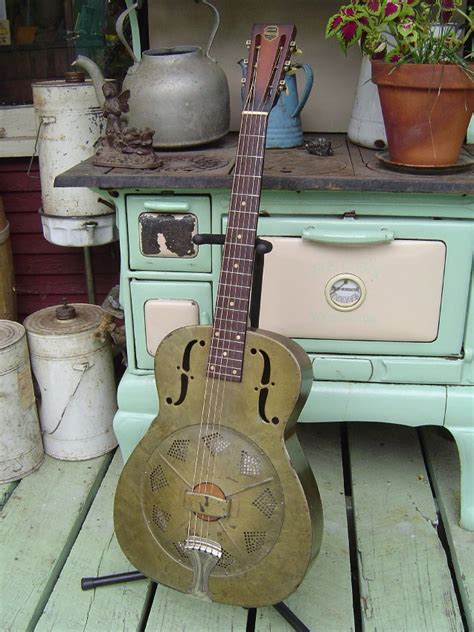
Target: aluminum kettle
(179, 92)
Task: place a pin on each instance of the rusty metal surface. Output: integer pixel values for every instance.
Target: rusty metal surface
(176, 230)
(351, 168)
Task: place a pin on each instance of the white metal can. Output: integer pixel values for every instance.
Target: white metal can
(69, 121)
(71, 358)
(21, 448)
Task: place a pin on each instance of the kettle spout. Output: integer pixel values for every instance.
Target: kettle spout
(95, 74)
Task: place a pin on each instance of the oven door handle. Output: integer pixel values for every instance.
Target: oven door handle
(348, 235)
(167, 207)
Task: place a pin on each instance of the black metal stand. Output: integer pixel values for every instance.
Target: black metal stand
(262, 247)
(88, 583)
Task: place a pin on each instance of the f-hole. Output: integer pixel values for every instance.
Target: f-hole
(184, 369)
(263, 388)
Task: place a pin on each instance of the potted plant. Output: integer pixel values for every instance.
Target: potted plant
(425, 82)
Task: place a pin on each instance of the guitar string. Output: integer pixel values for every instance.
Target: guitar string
(220, 342)
(220, 395)
(249, 129)
(207, 407)
(243, 221)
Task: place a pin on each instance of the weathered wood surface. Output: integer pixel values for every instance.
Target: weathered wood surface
(351, 168)
(443, 465)
(385, 566)
(326, 592)
(96, 552)
(39, 525)
(405, 582)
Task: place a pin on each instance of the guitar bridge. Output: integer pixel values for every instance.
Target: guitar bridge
(204, 556)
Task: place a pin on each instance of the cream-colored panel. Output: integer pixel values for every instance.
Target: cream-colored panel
(162, 316)
(305, 294)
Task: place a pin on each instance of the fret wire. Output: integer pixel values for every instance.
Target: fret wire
(246, 187)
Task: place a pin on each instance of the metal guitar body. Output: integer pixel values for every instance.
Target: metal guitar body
(218, 499)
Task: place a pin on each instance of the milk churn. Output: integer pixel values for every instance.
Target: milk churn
(7, 281)
(366, 126)
(21, 448)
(71, 358)
(69, 122)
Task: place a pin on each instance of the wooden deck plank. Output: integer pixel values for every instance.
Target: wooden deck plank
(39, 524)
(96, 552)
(324, 599)
(443, 463)
(173, 610)
(405, 582)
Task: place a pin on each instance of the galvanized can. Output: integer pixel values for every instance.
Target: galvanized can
(21, 448)
(69, 122)
(71, 358)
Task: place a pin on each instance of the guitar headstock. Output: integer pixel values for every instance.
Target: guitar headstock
(271, 47)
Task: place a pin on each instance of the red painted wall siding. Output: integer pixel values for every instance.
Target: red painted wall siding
(46, 273)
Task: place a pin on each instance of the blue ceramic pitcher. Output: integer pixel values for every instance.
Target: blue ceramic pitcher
(284, 123)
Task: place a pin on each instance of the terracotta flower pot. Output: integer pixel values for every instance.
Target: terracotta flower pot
(426, 110)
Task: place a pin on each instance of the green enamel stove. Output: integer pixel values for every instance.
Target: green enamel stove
(371, 272)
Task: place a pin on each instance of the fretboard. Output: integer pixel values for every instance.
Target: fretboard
(235, 281)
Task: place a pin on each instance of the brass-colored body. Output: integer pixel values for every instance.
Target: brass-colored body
(221, 464)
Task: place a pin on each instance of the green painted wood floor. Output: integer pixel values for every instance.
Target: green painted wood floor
(393, 557)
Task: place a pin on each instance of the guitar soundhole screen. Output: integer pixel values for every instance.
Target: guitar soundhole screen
(226, 560)
(215, 443)
(179, 546)
(158, 479)
(266, 503)
(249, 465)
(160, 518)
(254, 540)
(179, 449)
(232, 469)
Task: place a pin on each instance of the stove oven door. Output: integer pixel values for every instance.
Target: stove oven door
(158, 307)
(368, 286)
(160, 232)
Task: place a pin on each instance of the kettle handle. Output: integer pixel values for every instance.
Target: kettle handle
(131, 13)
(307, 88)
(217, 21)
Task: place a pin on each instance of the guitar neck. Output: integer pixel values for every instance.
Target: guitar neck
(235, 282)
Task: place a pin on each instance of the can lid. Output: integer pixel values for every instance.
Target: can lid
(46, 322)
(66, 311)
(10, 332)
(74, 76)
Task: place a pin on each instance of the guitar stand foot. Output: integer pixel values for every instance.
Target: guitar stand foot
(88, 583)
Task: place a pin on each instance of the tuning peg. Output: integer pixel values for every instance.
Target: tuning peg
(247, 43)
(245, 62)
(287, 65)
(281, 85)
(243, 80)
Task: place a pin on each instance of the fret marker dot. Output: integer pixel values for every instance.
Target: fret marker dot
(232, 303)
(234, 372)
(213, 368)
(236, 265)
(237, 337)
(217, 334)
(225, 353)
(239, 236)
